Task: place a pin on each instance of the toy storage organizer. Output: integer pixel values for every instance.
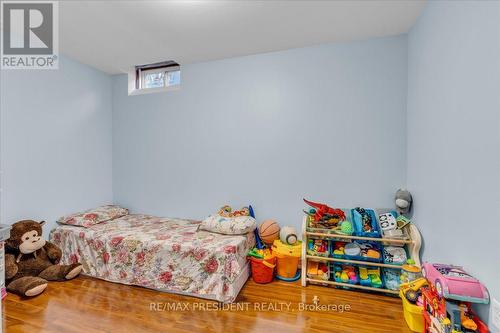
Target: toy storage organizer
(363, 272)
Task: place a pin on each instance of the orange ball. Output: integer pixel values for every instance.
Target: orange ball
(269, 230)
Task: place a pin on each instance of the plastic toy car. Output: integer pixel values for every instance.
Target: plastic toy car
(452, 282)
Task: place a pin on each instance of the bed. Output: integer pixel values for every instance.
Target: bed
(165, 254)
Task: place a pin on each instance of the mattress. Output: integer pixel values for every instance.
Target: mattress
(165, 254)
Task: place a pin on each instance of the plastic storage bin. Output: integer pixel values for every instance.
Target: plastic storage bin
(318, 247)
(367, 251)
(262, 269)
(337, 249)
(344, 274)
(413, 315)
(318, 270)
(395, 255)
(392, 279)
(358, 224)
(288, 257)
(370, 277)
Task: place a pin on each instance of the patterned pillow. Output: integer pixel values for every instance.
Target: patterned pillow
(238, 225)
(94, 216)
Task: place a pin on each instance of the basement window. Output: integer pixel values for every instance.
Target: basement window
(155, 77)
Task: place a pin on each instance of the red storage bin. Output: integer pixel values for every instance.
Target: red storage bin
(262, 269)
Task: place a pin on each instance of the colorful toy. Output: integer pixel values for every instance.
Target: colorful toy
(370, 277)
(410, 272)
(244, 211)
(345, 274)
(288, 235)
(387, 222)
(452, 282)
(227, 211)
(269, 230)
(412, 290)
(338, 249)
(345, 227)
(449, 316)
(260, 253)
(366, 219)
(317, 247)
(324, 216)
(402, 221)
(369, 251)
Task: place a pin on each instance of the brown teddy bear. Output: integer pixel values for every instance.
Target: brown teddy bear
(30, 261)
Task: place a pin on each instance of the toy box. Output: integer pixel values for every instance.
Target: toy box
(337, 249)
(370, 277)
(344, 274)
(364, 251)
(318, 270)
(413, 315)
(391, 278)
(365, 222)
(318, 247)
(395, 255)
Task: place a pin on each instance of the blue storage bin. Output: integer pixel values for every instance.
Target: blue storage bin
(358, 224)
(391, 278)
(334, 268)
(376, 246)
(333, 246)
(368, 282)
(395, 255)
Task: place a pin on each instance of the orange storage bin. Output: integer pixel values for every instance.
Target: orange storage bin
(288, 257)
(287, 265)
(262, 269)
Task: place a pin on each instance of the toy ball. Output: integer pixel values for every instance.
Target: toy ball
(269, 231)
(346, 228)
(288, 235)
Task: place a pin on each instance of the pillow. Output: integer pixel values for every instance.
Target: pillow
(238, 225)
(94, 216)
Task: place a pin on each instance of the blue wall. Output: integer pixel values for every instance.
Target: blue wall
(326, 123)
(55, 141)
(454, 135)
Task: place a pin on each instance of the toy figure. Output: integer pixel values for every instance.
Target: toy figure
(324, 215)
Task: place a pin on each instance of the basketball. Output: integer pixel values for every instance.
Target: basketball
(269, 230)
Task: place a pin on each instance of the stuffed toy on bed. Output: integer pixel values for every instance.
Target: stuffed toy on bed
(30, 261)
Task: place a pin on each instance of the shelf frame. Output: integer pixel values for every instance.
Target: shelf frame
(413, 244)
(372, 239)
(355, 286)
(356, 262)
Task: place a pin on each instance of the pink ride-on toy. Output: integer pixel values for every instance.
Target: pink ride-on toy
(452, 282)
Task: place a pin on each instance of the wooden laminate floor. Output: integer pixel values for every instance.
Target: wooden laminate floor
(90, 305)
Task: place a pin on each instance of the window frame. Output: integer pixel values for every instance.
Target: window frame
(138, 74)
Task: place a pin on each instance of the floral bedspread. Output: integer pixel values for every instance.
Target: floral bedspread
(160, 253)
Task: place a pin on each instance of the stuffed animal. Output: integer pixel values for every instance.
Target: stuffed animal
(30, 261)
(403, 201)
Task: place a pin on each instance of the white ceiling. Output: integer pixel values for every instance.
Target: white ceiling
(115, 35)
